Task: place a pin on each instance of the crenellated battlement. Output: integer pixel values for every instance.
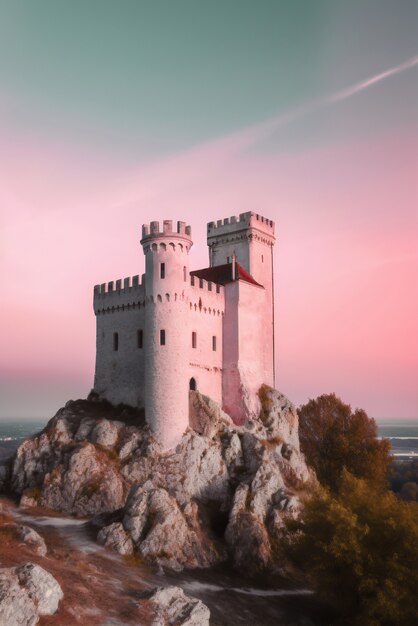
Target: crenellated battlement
(119, 292)
(201, 284)
(242, 222)
(153, 230)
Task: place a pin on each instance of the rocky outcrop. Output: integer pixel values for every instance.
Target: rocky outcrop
(224, 491)
(26, 593)
(26, 535)
(171, 607)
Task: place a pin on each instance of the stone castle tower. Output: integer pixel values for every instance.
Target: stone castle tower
(210, 329)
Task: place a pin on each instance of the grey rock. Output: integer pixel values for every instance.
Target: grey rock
(172, 607)
(116, 538)
(106, 433)
(27, 535)
(26, 593)
(41, 587)
(16, 607)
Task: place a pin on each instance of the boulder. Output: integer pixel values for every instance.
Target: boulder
(106, 433)
(205, 415)
(116, 538)
(172, 607)
(41, 587)
(26, 593)
(163, 533)
(27, 535)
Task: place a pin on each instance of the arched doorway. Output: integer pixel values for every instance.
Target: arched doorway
(192, 385)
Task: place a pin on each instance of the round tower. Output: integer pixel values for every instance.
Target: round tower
(166, 329)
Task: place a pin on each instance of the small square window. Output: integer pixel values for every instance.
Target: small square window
(162, 337)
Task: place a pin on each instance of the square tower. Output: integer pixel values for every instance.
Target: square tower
(249, 240)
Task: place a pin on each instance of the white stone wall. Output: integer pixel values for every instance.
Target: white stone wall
(251, 237)
(243, 367)
(119, 375)
(206, 314)
(167, 308)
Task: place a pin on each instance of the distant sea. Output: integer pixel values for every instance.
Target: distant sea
(403, 434)
(13, 432)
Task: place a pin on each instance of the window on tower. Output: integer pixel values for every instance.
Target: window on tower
(140, 338)
(162, 337)
(115, 342)
(194, 340)
(162, 270)
(184, 273)
(214, 343)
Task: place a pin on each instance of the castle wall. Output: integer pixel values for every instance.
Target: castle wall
(243, 354)
(167, 311)
(251, 237)
(206, 315)
(119, 374)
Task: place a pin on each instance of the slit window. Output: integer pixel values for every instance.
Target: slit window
(194, 340)
(140, 339)
(162, 270)
(162, 337)
(214, 343)
(115, 342)
(184, 273)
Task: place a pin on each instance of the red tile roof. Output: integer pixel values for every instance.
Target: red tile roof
(222, 274)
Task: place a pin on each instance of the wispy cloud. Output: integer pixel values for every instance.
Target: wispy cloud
(328, 100)
(365, 84)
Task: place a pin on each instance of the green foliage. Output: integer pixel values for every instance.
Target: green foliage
(361, 550)
(333, 437)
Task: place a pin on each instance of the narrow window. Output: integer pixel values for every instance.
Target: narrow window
(194, 340)
(214, 343)
(115, 342)
(162, 270)
(192, 384)
(228, 259)
(184, 273)
(262, 258)
(162, 337)
(140, 338)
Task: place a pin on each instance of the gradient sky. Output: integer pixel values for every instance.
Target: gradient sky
(116, 113)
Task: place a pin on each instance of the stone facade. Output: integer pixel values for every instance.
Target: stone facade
(174, 330)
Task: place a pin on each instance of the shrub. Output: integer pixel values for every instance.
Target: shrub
(333, 437)
(361, 550)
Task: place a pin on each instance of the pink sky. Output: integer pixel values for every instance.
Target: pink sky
(346, 257)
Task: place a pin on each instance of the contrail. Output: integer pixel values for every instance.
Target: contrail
(351, 91)
(328, 100)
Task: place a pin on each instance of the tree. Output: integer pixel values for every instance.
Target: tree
(360, 548)
(333, 437)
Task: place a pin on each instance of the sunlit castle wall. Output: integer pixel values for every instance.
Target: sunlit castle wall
(166, 339)
(250, 237)
(120, 326)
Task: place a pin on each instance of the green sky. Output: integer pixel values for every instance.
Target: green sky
(143, 78)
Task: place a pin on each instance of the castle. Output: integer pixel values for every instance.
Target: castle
(210, 330)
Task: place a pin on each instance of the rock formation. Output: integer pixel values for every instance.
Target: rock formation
(224, 492)
(26, 593)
